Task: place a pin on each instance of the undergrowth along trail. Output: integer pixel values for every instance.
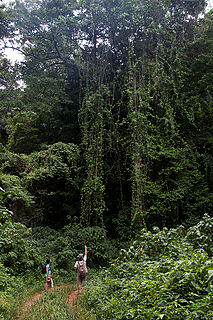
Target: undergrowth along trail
(28, 304)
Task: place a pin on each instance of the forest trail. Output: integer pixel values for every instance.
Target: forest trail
(28, 303)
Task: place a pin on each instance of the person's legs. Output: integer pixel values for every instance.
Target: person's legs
(79, 283)
(84, 280)
(48, 283)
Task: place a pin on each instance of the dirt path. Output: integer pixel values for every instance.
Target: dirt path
(71, 297)
(29, 303)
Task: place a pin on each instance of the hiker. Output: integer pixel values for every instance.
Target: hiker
(49, 280)
(81, 269)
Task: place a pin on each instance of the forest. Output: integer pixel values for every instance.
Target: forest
(106, 140)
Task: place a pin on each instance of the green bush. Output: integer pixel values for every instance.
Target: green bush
(161, 276)
(18, 251)
(100, 248)
(201, 235)
(64, 245)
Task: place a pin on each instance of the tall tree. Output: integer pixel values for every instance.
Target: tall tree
(121, 69)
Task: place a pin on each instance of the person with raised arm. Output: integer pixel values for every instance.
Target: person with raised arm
(81, 269)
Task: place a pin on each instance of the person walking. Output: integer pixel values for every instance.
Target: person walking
(81, 269)
(48, 275)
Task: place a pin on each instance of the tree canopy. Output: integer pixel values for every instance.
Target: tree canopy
(106, 139)
(129, 84)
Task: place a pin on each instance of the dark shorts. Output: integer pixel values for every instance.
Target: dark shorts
(80, 280)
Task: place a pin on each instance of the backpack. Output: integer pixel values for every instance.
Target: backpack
(82, 269)
(43, 269)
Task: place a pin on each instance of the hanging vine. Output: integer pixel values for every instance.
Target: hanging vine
(92, 126)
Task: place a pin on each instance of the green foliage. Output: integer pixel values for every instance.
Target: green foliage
(57, 162)
(201, 234)
(130, 84)
(8, 92)
(113, 127)
(197, 97)
(18, 252)
(11, 163)
(53, 306)
(64, 245)
(40, 117)
(7, 280)
(45, 182)
(52, 175)
(160, 276)
(24, 251)
(4, 22)
(93, 114)
(54, 244)
(5, 213)
(14, 183)
(19, 258)
(100, 248)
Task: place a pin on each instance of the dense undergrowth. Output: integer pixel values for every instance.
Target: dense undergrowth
(51, 305)
(107, 121)
(163, 275)
(24, 251)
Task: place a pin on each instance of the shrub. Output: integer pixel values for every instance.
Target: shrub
(18, 252)
(100, 248)
(160, 276)
(64, 245)
(201, 235)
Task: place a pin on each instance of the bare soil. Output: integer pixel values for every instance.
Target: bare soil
(72, 297)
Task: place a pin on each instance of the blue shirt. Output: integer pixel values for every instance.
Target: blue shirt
(48, 266)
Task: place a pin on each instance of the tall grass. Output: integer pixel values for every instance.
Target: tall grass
(12, 302)
(53, 305)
